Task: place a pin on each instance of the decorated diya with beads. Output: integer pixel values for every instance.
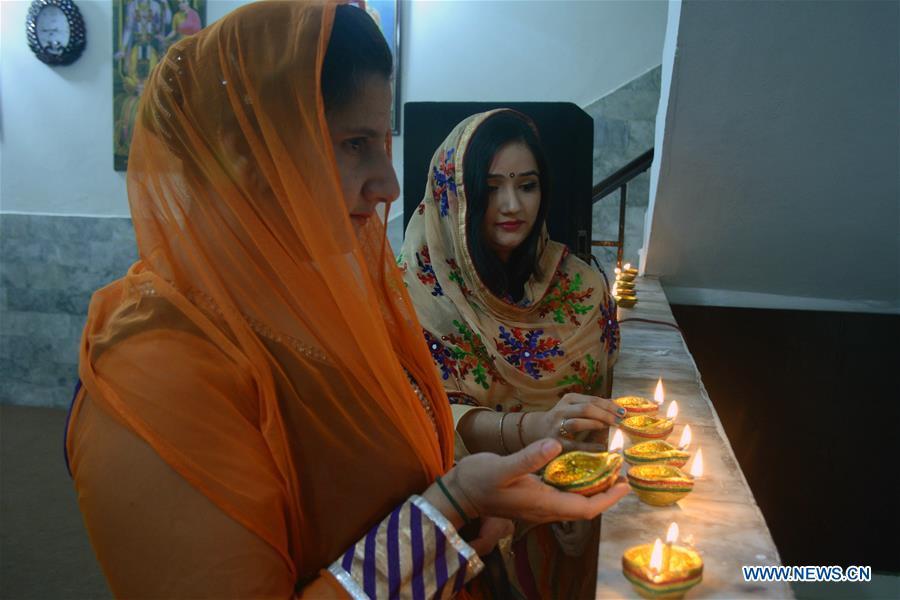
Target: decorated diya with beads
(682, 570)
(656, 452)
(585, 473)
(637, 405)
(647, 428)
(659, 484)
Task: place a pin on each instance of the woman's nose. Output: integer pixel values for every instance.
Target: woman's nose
(509, 200)
(383, 185)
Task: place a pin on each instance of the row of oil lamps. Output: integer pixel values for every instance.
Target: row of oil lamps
(655, 570)
(623, 288)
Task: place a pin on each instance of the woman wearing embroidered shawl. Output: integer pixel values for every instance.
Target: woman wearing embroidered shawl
(259, 416)
(514, 323)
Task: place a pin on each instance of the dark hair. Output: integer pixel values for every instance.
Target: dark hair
(503, 279)
(356, 49)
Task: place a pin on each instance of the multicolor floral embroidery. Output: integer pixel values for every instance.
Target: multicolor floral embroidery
(586, 378)
(444, 181)
(441, 355)
(565, 299)
(527, 351)
(456, 277)
(609, 325)
(401, 263)
(426, 272)
(464, 353)
(472, 356)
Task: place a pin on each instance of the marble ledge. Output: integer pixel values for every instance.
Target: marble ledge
(720, 517)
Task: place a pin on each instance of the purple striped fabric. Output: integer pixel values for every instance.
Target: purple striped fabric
(369, 563)
(440, 560)
(461, 574)
(418, 552)
(347, 562)
(393, 554)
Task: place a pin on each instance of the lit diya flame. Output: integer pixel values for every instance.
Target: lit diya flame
(672, 533)
(697, 467)
(618, 441)
(685, 440)
(671, 538)
(656, 557)
(659, 394)
(672, 412)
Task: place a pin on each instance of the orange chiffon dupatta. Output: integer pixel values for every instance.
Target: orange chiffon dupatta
(256, 361)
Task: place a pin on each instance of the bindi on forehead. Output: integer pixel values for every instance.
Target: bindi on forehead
(513, 174)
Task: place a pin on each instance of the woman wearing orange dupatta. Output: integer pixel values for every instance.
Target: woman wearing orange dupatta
(522, 333)
(258, 415)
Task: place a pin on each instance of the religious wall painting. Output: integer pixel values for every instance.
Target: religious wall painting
(142, 32)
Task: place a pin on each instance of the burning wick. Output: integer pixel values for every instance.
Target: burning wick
(697, 467)
(685, 438)
(672, 412)
(659, 395)
(656, 558)
(671, 538)
(618, 441)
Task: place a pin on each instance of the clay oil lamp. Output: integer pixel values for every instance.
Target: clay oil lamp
(661, 452)
(585, 473)
(664, 485)
(624, 299)
(662, 571)
(637, 405)
(648, 428)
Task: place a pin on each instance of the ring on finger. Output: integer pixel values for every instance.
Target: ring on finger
(563, 432)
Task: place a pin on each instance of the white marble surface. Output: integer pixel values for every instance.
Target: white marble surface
(720, 518)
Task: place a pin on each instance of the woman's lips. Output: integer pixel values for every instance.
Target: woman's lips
(510, 225)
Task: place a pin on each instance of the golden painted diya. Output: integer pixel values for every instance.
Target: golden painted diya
(646, 428)
(683, 571)
(585, 473)
(626, 301)
(626, 275)
(637, 405)
(656, 452)
(659, 485)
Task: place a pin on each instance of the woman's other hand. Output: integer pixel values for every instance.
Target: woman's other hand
(506, 486)
(573, 414)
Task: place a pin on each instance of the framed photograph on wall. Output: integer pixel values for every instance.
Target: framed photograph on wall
(142, 32)
(386, 14)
